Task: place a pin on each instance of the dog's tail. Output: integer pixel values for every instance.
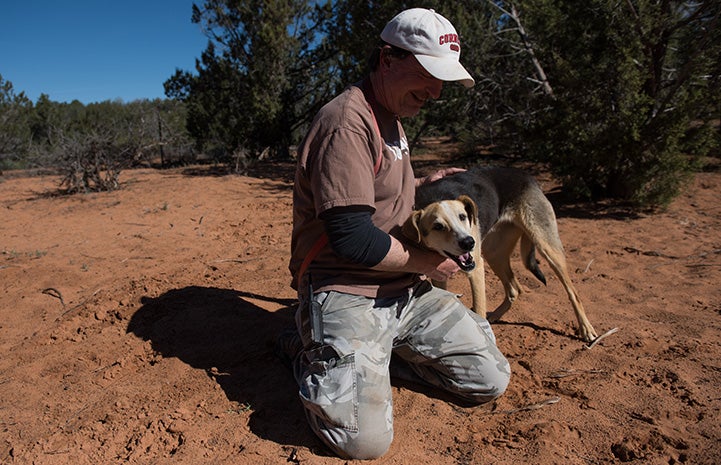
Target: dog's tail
(528, 252)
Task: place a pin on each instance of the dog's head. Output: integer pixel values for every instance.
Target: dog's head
(447, 227)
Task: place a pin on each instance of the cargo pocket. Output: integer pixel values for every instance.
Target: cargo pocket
(328, 387)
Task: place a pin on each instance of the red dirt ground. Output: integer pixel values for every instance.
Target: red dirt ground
(137, 327)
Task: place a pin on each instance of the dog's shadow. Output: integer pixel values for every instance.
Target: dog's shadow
(223, 333)
(538, 328)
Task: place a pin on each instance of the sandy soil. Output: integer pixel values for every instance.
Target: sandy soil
(137, 327)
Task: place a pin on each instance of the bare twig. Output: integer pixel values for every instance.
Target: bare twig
(602, 336)
(106, 367)
(136, 258)
(52, 292)
(588, 267)
(535, 406)
(650, 253)
(237, 260)
(572, 372)
(80, 305)
(701, 255)
(701, 265)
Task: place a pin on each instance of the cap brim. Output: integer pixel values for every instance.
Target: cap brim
(446, 69)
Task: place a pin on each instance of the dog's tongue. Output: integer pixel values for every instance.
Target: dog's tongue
(465, 261)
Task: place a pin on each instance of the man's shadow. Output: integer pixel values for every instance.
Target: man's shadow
(232, 340)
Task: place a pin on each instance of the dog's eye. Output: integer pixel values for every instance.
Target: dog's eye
(462, 217)
(438, 227)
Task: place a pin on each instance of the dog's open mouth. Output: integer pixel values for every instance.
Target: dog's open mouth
(465, 261)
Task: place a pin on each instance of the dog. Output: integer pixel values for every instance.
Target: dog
(479, 215)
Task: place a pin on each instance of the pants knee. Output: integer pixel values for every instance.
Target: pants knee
(492, 388)
(361, 444)
(499, 390)
(366, 445)
(488, 386)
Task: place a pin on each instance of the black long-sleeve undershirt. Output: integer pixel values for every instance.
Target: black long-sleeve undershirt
(353, 236)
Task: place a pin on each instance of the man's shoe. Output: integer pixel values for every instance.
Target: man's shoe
(288, 346)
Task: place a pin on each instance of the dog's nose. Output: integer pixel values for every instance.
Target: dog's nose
(467, 243)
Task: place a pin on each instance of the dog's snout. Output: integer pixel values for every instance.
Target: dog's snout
(467, 243)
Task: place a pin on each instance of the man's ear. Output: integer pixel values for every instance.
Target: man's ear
(410, 227)
(470, 206)
(384, 59)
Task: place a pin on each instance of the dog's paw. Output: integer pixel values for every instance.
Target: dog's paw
(587, 333)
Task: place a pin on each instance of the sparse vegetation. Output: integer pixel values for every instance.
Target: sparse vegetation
(620, 99)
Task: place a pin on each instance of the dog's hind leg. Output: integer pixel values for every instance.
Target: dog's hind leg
(528, 255)
(539, 223)
(557, 260)
(498, 246)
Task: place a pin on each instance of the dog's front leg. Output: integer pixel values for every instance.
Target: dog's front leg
(477, 278)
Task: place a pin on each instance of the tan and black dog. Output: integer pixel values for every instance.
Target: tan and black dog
(493, 207)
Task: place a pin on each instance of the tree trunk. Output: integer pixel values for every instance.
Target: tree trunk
(540, 73)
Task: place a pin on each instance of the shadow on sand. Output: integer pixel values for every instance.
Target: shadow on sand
(221, 332)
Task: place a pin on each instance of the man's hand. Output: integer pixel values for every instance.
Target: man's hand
(438, 175)
(444, 270)
(404, 256)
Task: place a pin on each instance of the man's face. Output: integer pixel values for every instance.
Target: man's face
(408, 85)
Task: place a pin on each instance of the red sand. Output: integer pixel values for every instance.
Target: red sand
(137, 327)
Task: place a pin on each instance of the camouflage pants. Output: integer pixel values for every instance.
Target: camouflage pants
(344, 375)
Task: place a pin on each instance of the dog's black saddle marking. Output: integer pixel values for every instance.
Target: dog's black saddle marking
(490, 187)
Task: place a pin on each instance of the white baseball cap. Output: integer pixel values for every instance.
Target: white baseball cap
(432, 39)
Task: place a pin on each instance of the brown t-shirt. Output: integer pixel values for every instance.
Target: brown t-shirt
(336, 169)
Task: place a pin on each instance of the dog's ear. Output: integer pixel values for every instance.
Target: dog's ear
(470, 206)
(410, 227)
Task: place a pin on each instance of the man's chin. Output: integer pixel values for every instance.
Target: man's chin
(408, 112)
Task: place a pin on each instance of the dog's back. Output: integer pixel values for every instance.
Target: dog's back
(494, 189)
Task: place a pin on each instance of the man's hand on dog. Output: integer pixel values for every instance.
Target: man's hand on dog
(438, 175)
(443, 269)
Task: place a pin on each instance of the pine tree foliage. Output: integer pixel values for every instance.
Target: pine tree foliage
(631, 78)
(15, 114)
(619, 98)
(258, 79)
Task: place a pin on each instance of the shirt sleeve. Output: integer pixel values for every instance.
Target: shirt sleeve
(353, 236)
(343, 173)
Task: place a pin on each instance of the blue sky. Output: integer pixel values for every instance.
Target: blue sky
(94, 51)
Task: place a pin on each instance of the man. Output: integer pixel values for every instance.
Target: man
(363, 290)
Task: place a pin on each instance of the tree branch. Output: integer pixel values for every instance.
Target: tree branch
(540, 73)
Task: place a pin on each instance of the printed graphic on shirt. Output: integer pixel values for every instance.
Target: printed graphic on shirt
(399, 148)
